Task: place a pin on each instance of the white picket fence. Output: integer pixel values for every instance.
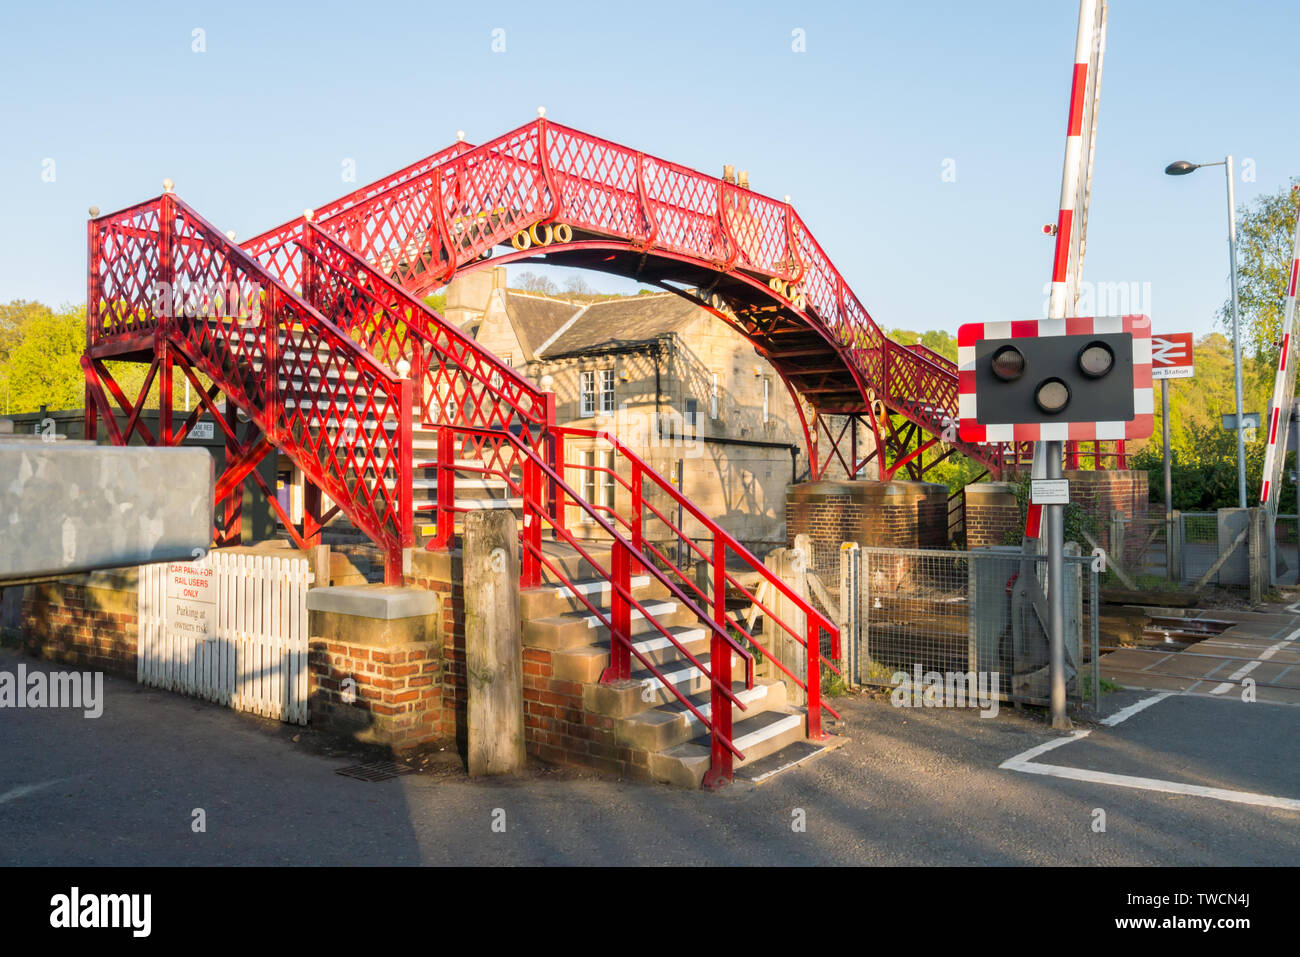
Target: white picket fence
(230, 628)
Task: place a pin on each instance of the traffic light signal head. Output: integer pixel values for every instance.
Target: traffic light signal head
(1055, 379)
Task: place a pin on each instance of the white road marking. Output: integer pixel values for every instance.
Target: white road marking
(1126, 713)
(1247, 668)
(1025, 757)
(1154, 784)
(25, 789)
(1025, 763)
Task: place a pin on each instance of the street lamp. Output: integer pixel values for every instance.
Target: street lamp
(1182, 168)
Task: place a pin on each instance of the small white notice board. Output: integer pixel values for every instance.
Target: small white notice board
(1049, 492)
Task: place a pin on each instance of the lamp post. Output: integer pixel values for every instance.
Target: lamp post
(1182, 168)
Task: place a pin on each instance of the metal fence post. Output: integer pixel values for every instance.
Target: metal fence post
(1175, 545)
(972, 621)
(864, 616)
(1076, 626)
(1094, 639)
(1270, 528)
(850, 556)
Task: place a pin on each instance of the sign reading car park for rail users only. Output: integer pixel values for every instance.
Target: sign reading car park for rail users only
(191, 599)
(1049, 492)
(1171, 356)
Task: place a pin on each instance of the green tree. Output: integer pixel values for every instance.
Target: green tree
(12, 316)
(40, 361)
(1265, 238)
(44, 365)
(936, 340)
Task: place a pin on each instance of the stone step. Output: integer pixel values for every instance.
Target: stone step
(791, 756)
(576, 629)
(669, 725)
(586, 663)
(644, 690)
(426, 504)
(559, 599)
(755, 737)
(571, 564)
(473, 483)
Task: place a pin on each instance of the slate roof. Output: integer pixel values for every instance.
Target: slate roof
(537, 318)
(614, 322)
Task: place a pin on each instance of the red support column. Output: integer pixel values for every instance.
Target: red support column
(165, 429)
(232, 524)
(720, 766)
(552, 448)
(312, 510)
(853, 446)
(637, 516)
(445, 511)
(814, 680)
(620, 653)
(534, 510)
(406, 467)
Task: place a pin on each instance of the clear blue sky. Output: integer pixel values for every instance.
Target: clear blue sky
(856, 129)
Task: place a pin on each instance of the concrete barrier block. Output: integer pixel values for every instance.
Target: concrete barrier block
(71, 507)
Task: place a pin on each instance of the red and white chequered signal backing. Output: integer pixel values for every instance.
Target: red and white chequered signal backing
(1139, 426)
(1283, 386)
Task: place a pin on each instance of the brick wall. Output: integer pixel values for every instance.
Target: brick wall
(441, 572)
(1100, 494)
(991, 514)
(89, 621)
(396, 700)
(560, 729)
(885, 514)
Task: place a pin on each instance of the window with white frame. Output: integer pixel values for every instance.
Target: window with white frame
(586, 394)
(597, 482)
(767, 388)
(607, 391)
(587, 461)
(605, 481)
(713, 398)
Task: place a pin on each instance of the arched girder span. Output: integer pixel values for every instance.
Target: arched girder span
(819, 372)
(627, 212)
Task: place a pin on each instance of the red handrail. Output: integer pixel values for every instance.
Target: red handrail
(261, 245)
(623, 554)
(725, 543)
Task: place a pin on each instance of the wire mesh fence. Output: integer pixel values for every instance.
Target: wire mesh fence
(1199, 534)
(1286, 550)
(1140, 546)
(910, 614)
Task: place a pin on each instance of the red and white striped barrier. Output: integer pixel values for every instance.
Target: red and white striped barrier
(1283, 387)
(1076, 187)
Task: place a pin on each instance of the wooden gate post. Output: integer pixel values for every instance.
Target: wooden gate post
(494, 665)
(1258, 551)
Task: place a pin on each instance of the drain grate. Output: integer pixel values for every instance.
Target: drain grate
(375, 771)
